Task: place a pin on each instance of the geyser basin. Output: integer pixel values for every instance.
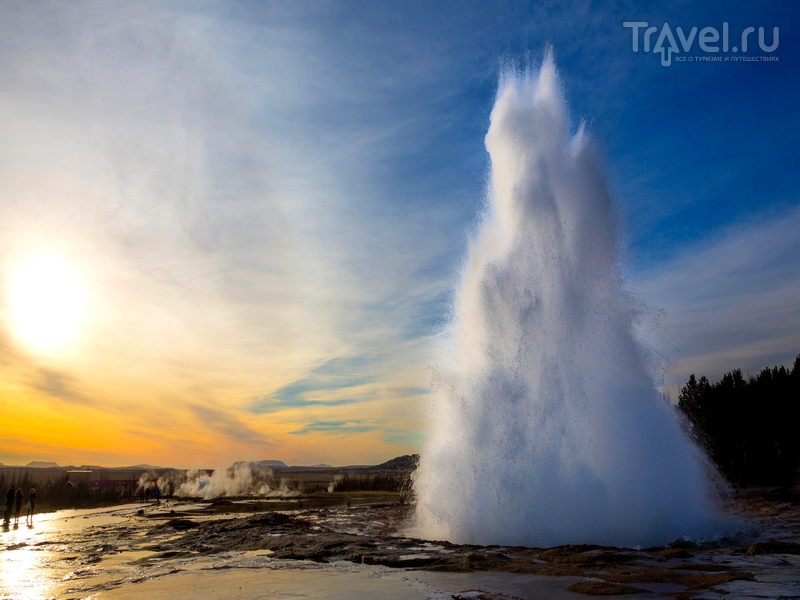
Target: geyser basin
(546, 426)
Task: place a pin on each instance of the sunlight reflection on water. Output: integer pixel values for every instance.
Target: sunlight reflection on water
(24, 574)
(33, 563)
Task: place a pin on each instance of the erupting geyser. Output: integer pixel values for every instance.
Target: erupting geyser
(546, 425)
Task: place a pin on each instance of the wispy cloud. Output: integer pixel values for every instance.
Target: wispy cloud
(226, 424)
(60, 385)
(338, 427)
(340, 375)
(405, 437)
(237, 193)
(731, 301)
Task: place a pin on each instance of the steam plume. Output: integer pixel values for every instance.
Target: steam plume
(243, 479)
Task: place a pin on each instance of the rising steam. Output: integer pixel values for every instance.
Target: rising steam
(546, 427)
(242, 479)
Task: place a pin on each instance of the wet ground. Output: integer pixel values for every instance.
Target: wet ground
(339, 545)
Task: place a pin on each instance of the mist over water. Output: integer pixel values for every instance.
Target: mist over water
(546, 425)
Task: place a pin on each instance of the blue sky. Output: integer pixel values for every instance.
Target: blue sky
(270, 201)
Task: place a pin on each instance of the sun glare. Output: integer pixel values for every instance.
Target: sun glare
(47, 301)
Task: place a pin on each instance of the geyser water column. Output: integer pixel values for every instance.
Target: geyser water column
(546, 427)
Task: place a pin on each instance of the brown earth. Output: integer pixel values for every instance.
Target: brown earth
(304, 536)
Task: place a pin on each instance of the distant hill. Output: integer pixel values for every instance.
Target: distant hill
(142, 466)
(321, 466)
(407, 462)
(41, 464)
(260, 463)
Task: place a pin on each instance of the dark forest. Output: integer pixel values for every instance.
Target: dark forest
(747, 425)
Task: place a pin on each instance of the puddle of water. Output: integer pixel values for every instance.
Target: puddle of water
(241, 584)
(126, 557)
(25, 574)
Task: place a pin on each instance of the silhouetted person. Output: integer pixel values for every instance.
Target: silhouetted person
(10, 495)
(18, 506)
(31, 506)
(141, 495)
(158, 495)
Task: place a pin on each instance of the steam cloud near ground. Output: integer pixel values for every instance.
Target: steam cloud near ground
(245, 479)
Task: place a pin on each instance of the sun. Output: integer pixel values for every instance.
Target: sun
(47, 301)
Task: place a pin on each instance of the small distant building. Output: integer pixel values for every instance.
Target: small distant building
(78, 474)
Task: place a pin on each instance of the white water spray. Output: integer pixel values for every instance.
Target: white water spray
(546, 425)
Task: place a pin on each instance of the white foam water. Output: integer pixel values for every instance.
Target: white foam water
(546, 425)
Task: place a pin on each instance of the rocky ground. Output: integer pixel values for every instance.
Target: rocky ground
(137, 544)
(329, 535)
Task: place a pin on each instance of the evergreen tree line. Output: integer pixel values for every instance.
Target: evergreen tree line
(748, 426)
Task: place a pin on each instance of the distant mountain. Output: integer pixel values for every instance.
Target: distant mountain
(407, 462)
(321, 466)
(142, 466)
(41, 464)
(259, 463)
